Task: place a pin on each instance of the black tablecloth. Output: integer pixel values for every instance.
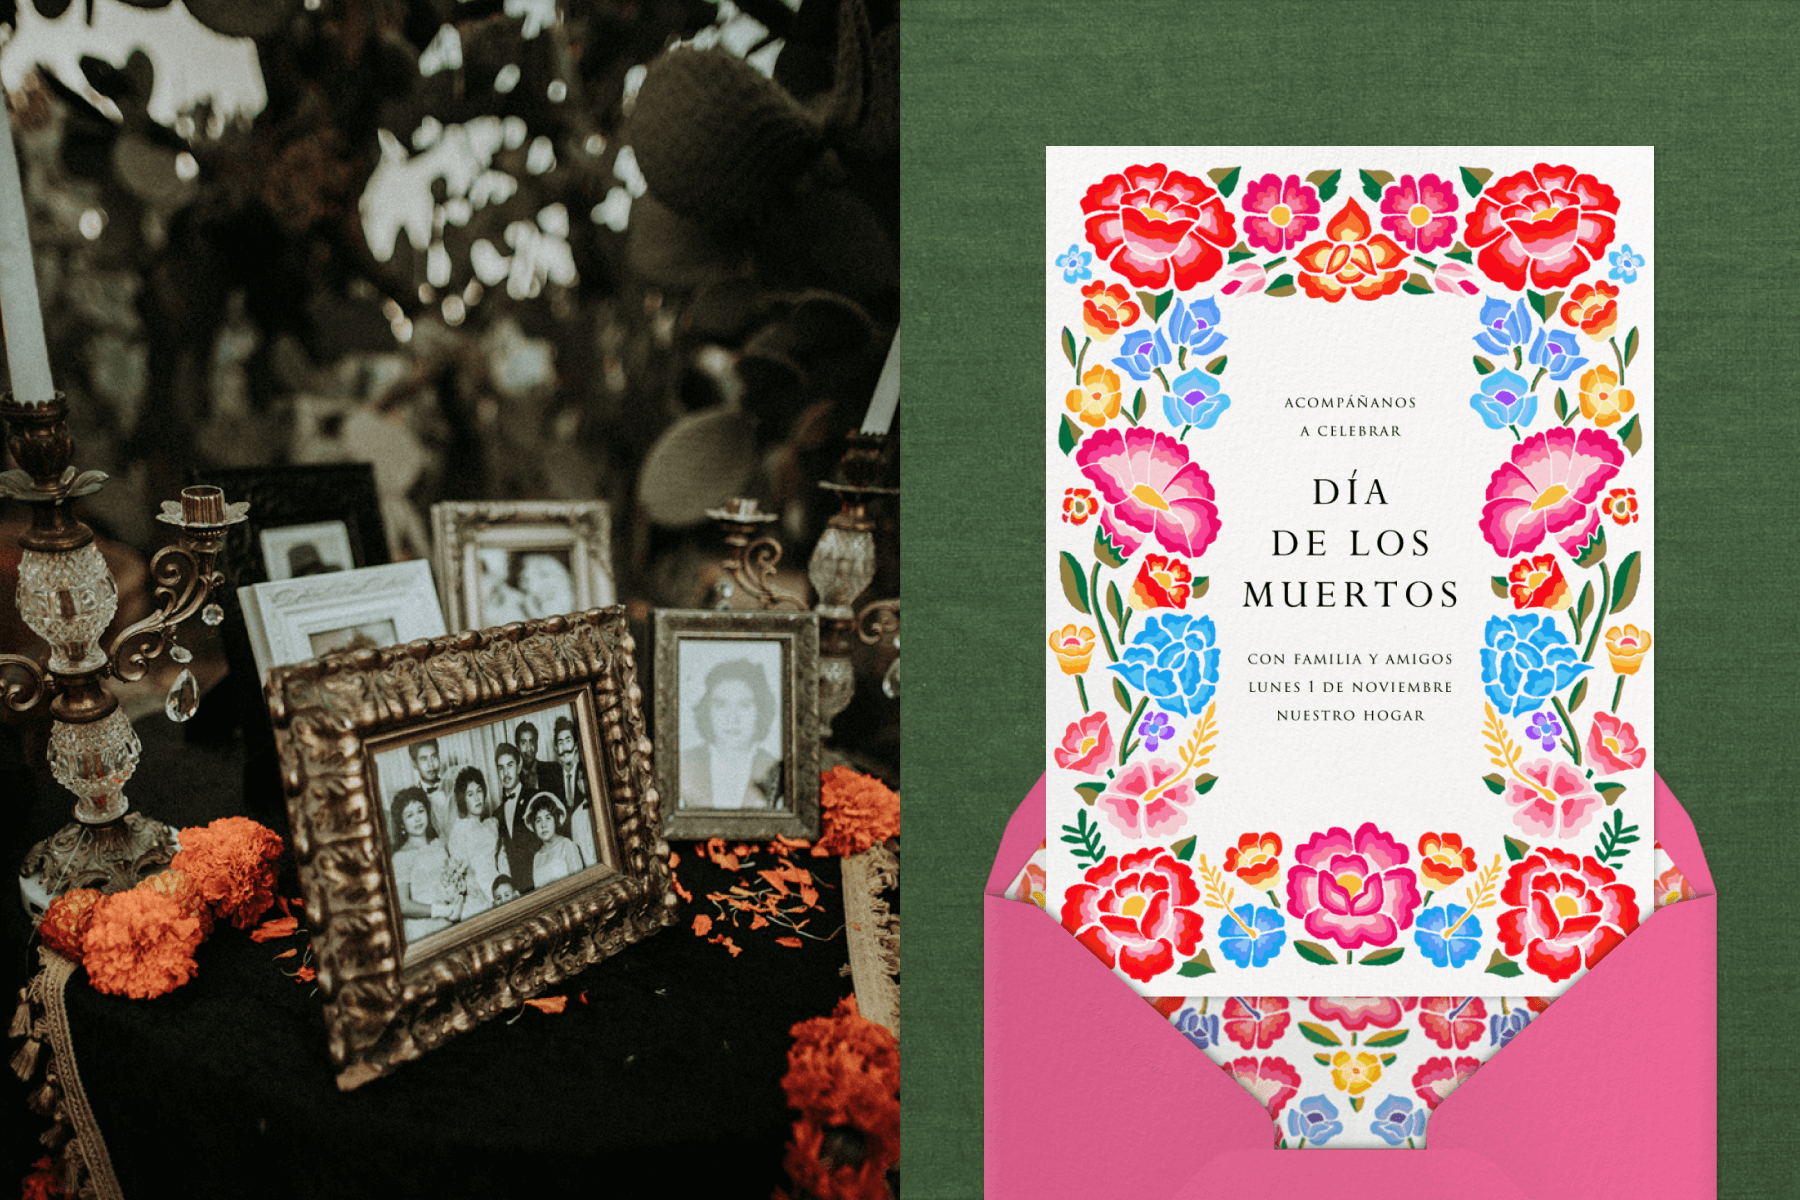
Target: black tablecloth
(667, 1076)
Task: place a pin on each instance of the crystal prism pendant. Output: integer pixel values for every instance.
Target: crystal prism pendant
(890, 683)
(180, 654)
(184, 697)
(212, 614)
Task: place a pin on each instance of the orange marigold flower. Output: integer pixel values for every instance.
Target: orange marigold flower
(42, 1182)
(1443, 859)
(66, 921)
(180, 887)
(1593, 309)
(232, 862)
(856, 811)
(844, 1078)
(1255, 858)
(139, 944)
(1106, 308)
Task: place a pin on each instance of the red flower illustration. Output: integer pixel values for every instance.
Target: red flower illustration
(1593, 309)
(1254, 1022)
(1162, 582)
(1538, 583)
(1453, 1022)
(1273, 1081)
(1106, 308)
(1166, 1005)
(1621, 505)
(1078, 505)
(1566, 911)
(1548, 224)
(1134, 912)
(1151, 224)
(1254, 857)
(1444, 859)
(1359, 1012)
(1087, 744)
(1354, 259)
(1612, 745)
(1418, 213)
(1438, 1077)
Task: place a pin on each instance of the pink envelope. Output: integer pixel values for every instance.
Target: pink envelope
(1610, 1092)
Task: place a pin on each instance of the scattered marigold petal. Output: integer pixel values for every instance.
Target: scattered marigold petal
(280, 927)
(549, 1004)
(682, 892)
(809, 895)
(775, 881)
(674, 860)
(306, 975)
(702, 925)
(287, 954)
(759, 922)
(792, 943)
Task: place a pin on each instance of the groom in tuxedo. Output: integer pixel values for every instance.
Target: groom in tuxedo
(517, 839)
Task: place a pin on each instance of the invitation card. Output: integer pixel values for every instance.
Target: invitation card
(1350, 585)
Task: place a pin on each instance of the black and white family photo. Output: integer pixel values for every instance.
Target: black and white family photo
(482, 816)
(731, 739)
(519, 585)
(295, 551)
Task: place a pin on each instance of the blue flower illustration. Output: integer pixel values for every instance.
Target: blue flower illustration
(1156, 729)
(1624, 264)
(1174, 658)
(1527, 660)
(1504, 325)
(1197, 400)
(1503, 400)
(1398, 1118)
(1196, 325)
(1143, 352)
(1315, 1119)
(1448, 937)
(1076, 264)
(1558, 353)
(1544, 729)
(1202, 1031)
(1236, 943)
(1503, 1028)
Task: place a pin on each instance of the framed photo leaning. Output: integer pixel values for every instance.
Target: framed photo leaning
(515, 560)
(737, 729)
(448, 873)
(291, 620)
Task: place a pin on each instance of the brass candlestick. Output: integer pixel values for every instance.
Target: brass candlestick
(750, 567)
(67, 596)
(842, 566)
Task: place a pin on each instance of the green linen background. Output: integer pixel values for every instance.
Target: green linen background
(1713, 87)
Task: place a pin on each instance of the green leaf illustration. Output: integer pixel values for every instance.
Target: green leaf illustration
(1585, 605)
(1200, 586)
(1324, 1060)
(1387, 1060)
(1326, 182)
(1089, 792)
(1631, 345)
(1382, 958)
(1515, 849)
(1216, 366)
(1068, 435)
(1226, 179)
(1416, 285)
(1499, 584)
(1373, 182)
(1482, 365)
(1537, 303)
(1632, 434)
(1137, 406)
(1074, 583)
(1461, 254)
(1316, 1033)
(1200, 964)
(1356, 1103)
(1392, 1037)
(1315, 953)
(1578, 695)
(1610, 791)
(1121, 695)
(1204, 783)
(1114, 605)
(1084, 836)
(1475, 178)
(1068, 343)
(1503, 966)
(1562, 405)
(1615, 838)
(1495, 783)
(1159, 304)
(1625, 584)
(1106, 552)
(1239, 253)
(1184, 849)
(1281, 286)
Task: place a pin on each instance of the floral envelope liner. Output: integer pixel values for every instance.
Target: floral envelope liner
(1533, 253)
(1319, 1060)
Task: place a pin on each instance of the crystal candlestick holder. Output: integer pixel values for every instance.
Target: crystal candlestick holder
(841, 569)
(67, 596)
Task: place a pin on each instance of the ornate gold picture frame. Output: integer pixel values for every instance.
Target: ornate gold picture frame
(344, 721)
(737, 723)
(513, 560)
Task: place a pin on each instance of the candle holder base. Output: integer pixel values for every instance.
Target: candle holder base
(112, 857)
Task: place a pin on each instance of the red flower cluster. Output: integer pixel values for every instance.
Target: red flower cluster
(140, 944)
(844, 1079)
(856, 811)
(232, 863)
(66, 920)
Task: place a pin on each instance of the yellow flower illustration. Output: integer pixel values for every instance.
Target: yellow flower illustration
(1072, 647)
(1096, 401)
(1626, 646)
(1603, 401)
(1355, 1075)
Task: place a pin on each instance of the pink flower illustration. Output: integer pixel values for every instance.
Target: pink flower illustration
(1577, 540)
(1360, 1012)
(1273, 1081)
(1280, 213)
(1456, 279)
(1143, 802)
(1453, 1022)
(1550, 223)
(1354, 890)
(1566, 910)
(1558, 802)
(1243, 279)
(1087, 744)
(1612, 745)
(1416, 213)
(1153, 487)
(1135, 912)
(1438, 1077)
(1547, 486)
(1151, 224)
(1254, 1022)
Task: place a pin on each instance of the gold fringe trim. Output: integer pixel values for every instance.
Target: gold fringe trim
(82, 1161)
(873, 933)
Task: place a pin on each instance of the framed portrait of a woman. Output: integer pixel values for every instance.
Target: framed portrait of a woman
(737, 742)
